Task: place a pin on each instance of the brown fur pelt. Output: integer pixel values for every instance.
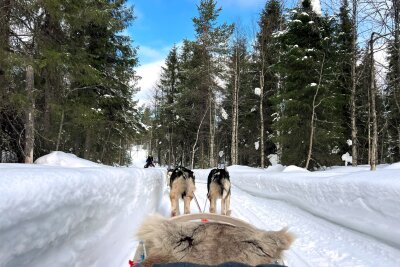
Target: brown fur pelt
(210, 243)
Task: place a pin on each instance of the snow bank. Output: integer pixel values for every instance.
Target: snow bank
(83, 216)
(293, 168)
(395, 166)
(357, 198)
(58, 158)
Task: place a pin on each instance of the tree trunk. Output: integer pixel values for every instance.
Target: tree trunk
(5, 7)
(88, 144)
(374, 141)
(262, 153)
(170, 146)
(197, 139)
(313, 114)
(211, 109)
(396, 7)
(47, 96)
(234, 142)
(369, 127)
(60, 129)
(353, 88)
(212, 129)
(30, 116)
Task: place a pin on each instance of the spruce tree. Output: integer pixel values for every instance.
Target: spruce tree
(393, 103)
(236, 129)
(393, 85)
(309, 121)
(213, 41)
(266, 57)
(82, 69)
(168, 86)
(344, 39)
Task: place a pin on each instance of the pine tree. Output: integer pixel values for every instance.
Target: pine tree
(192, 99)
(266, 56)
(393, 87)
(168, 87)
(234, 127)
(344, 40)
(213, 40)
(309, 124)
(82, 69)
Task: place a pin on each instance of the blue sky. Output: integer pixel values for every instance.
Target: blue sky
(162, 23)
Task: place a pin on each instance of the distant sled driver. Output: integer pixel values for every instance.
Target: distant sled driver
(149, 162)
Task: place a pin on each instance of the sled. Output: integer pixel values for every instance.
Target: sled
(141, 253)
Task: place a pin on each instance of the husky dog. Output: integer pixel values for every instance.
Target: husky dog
(219, 187)
(182, 185)
(210, 243)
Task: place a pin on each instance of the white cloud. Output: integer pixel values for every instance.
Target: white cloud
(150, 71)
(150, 74)
(151, 53)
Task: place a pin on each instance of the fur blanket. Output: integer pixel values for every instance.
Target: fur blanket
(210, 243)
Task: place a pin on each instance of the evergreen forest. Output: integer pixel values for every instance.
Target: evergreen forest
(299, 87)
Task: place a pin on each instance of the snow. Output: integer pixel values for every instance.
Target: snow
(273, 159)
(65, 160)
(224, 114)
(347, 158)
(293, 168)
(335, 150)
(349, 142)
(64, 211)
(138, 155)
(256, 145)
(316, 6)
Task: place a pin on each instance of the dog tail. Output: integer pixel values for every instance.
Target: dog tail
(226, 185)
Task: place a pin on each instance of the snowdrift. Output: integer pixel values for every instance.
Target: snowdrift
(69, 212)
(66, 216)
(368, 202)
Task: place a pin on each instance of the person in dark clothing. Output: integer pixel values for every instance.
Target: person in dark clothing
(149, 162)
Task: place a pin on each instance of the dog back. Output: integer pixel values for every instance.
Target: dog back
(180, 172)
(221, 178)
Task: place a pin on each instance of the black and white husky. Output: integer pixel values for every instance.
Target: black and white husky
(182, 185)
(219, 187)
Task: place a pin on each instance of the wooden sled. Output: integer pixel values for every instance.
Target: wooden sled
(141, 252)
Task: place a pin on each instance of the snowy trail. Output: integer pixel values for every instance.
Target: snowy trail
(67, 210)
(317, 239)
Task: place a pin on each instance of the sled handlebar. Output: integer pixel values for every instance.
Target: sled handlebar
(212, 217)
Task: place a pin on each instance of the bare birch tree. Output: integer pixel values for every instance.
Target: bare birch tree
(30, 115)
(372, 93)
(235, 107)
(313, 114)
(354, 86)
